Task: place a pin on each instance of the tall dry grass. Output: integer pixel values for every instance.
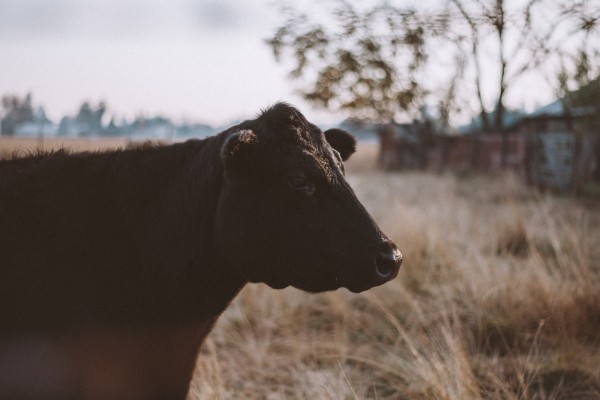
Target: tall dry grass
(498, 298)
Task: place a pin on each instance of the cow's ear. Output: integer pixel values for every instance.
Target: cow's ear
(238, 152)
(342, 141)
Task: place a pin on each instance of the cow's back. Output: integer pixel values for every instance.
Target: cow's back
(64, 241)
(115, 238)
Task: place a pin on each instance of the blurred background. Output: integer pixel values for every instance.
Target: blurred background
(186, 60)
(479, 150)
(488, 85)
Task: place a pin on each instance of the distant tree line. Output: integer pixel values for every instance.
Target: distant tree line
(17, 110)
(90, 119)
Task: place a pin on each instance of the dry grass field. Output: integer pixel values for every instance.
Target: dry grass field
(498, 298)
(10, 145)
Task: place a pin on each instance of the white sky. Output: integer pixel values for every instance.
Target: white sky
(200, 60)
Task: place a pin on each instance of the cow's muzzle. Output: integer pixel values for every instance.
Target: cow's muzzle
(387, 262)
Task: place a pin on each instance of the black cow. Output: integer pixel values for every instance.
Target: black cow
(114, 266)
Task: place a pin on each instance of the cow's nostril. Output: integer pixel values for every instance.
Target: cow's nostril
(387, 263)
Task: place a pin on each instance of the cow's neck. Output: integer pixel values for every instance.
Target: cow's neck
(188, 281)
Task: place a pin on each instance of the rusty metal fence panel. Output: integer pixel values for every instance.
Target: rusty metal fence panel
(561, 161)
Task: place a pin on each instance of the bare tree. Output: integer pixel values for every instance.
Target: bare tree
(524, 37)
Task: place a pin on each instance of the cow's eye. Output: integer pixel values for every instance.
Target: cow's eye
(301, 182)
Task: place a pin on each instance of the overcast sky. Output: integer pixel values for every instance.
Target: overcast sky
(203, 60)
(200, 60)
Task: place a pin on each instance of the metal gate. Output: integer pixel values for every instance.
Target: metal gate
(558, 160)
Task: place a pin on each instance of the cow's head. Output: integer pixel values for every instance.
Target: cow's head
(286, 214)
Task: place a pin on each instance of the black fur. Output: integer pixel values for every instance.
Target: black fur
(160, 239)
(342, 141)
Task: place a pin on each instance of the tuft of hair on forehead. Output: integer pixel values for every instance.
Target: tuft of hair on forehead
(284, 115)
